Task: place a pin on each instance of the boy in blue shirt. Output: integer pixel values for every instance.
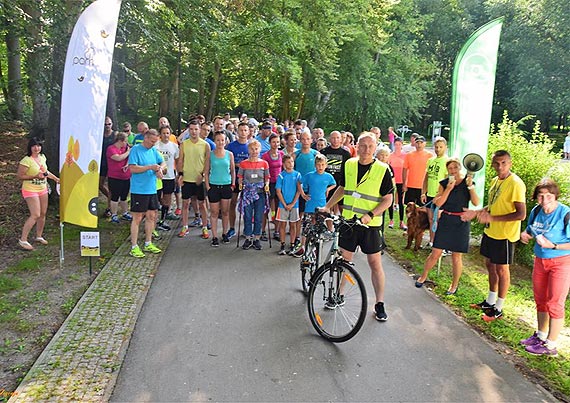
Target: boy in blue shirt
(316, 186)
(288, 189)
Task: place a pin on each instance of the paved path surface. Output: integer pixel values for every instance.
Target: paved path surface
(231, 325)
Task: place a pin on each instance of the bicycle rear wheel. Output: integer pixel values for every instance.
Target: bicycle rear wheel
(337, 301)
(308, 264)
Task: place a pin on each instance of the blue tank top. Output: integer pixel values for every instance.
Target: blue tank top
(220, 169)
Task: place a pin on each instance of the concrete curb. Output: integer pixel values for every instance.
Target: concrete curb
(83, 359)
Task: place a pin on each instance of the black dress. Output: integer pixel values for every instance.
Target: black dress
(452, 233)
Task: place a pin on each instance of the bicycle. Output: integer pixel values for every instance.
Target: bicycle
(337, 301)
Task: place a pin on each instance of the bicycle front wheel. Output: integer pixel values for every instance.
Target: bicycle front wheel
(337, 301)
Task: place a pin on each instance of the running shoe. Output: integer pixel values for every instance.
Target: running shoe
(247, 244)
(156, 236)
(152, 248)
(276, 236)
(115, 219)
(196, 223)
(492, 314)
(445, 253)
(541, 349)
(291, 250)
(183, 232)
(163, 226)
(482, 305)
(297, 246)
(205, 233)
(282, 250)
(108, 212)
(127, 217)
(380, 312)
(403, 226)
(299, 252)
(231, 233)
(136, 252)
(333, 304)
(534, 339)
(215, 242)
(225, 239)
(257, 244)
(41, 240)
(178, 211)
(391, 225)
(264, 236)
(171, 216)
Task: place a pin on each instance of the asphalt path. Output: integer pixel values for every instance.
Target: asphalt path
(224, 324)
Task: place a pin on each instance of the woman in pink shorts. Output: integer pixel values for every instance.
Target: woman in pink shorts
(33, 173)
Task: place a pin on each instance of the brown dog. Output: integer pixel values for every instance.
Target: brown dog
(417, 224)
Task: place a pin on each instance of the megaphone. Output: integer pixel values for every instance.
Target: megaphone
(473, 163)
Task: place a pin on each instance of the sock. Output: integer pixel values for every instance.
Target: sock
(499, 304)
(492, 298)
(146, 243)
(551, 345)
(134, 246)
(541, 335)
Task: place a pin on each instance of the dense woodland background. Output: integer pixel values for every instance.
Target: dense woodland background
(344, 64)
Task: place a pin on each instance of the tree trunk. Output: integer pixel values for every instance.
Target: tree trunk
(285, 98)
(36, 68)
(214, 85)
(15, 99)
(111, 109)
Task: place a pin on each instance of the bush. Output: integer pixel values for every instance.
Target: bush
(533, 159)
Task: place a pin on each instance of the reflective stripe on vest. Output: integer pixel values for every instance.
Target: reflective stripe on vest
(367, 190)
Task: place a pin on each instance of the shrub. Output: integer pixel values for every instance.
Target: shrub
(533, 159)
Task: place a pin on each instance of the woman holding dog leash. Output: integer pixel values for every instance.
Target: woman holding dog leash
(455, 193)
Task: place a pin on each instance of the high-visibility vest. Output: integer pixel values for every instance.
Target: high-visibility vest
(367, 190)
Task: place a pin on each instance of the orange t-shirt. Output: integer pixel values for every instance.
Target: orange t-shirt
(416, 164)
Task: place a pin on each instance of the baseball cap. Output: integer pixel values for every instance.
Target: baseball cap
(420, 138)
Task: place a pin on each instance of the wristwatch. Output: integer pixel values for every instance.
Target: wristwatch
(371, 214)
(555, 245)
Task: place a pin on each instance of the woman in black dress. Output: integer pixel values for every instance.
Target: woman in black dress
(454, 194)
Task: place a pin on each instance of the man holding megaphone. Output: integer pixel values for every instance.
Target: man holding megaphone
(502, 217)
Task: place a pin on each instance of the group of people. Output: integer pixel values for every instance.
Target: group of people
(275, 175)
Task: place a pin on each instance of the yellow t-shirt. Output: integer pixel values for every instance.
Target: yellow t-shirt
(34, 168)
(194, 159)
(436, 172)
(502, 197)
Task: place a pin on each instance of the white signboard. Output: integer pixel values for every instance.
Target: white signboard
(90, 244)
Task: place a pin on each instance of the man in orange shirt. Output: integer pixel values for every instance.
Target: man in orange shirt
(414, 171)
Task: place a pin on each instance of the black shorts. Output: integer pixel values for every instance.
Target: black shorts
(272, 190)
(143, 203)
(302, 203)
(369, 239)
(168, 186)
(190, 189)
(119, 189)
(219, 192)
(413, 195)
(498, 251)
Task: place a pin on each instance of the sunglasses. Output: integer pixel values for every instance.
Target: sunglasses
(108, 124)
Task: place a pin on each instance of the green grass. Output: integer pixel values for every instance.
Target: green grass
(520, 313)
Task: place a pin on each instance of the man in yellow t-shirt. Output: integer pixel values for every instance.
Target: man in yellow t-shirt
(502, 217)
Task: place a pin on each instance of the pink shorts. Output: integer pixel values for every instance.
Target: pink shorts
(27, 193)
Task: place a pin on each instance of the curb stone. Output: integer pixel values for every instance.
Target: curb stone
(83, 359)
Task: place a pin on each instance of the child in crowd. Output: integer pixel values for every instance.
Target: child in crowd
(253, 177)
(288, 189)
(316, 186)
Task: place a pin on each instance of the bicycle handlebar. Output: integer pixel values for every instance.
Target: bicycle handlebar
(340, 219)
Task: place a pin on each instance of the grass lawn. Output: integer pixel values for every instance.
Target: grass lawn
(520, 315)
